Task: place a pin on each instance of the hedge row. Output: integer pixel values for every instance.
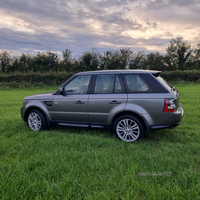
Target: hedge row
(187, 76)
(50, 78)
(54, 78)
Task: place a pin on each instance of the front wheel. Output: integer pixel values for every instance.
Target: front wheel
(36, 120)
(128, 128)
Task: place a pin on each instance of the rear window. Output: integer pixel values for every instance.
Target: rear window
(155, 83)
(164, 82)
(135, 83)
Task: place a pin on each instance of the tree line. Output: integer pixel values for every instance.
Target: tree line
(179, 56)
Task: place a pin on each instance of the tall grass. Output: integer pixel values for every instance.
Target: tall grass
(79, 163)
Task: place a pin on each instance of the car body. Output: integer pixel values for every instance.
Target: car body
(131, 102)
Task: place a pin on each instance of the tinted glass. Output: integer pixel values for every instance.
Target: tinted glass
(135, 83)
(118, 87)
(153, 84)
(107, 84)
(164, 82)
(104, 84)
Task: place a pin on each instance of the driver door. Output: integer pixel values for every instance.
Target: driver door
(71, 107)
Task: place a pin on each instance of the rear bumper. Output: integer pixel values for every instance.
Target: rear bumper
(179, 114)
(164, 126)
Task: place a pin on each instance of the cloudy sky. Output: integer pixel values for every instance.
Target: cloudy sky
(83, 25)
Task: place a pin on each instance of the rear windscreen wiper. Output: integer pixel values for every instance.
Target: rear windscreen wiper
(173, 88)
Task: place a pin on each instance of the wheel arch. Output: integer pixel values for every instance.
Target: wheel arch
(140, 117)
(39, 109)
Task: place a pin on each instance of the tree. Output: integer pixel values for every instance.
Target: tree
(125, 55)
(179, 52)
(5, 61)
(154, 61)
(90, 60)
(25, 63)
(138, 61)
(196, 61)
(67, 55)
(110, 60)
(118, 59)
(169, 66)
(67, 62)
(46, 61)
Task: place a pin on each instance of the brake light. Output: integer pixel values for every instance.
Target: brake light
(169, 105)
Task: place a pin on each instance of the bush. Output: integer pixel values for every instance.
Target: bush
(51, 78)
(23, 80)
(188, 76)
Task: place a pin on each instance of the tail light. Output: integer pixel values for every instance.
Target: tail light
(169, 105)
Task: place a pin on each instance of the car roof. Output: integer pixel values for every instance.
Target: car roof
(123, 71)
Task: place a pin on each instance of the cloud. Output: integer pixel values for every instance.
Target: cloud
(142, 25)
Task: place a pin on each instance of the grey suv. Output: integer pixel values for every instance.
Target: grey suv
(131, 102)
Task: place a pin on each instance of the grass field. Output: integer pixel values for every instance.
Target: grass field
(78, 163)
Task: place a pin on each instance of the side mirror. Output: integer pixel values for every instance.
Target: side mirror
(62, 91)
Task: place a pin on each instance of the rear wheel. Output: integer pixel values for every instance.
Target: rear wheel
(36, 120)
(128, 128)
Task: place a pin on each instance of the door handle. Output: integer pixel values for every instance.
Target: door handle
(79, 102)
(115, 102)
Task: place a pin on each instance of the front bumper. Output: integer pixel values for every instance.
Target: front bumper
(22, 113)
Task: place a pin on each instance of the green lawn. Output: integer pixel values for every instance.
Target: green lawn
(78, 163)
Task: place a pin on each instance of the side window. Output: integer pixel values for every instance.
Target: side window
(78, 85)
(135, 83)
(107, 84)
(118, 87)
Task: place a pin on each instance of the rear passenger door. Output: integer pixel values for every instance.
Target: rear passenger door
(141, 98)
(108, 98)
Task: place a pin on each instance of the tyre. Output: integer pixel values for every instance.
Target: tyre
(36, 120)
(128, 128)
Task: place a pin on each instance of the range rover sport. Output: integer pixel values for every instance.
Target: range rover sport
(131, 102)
